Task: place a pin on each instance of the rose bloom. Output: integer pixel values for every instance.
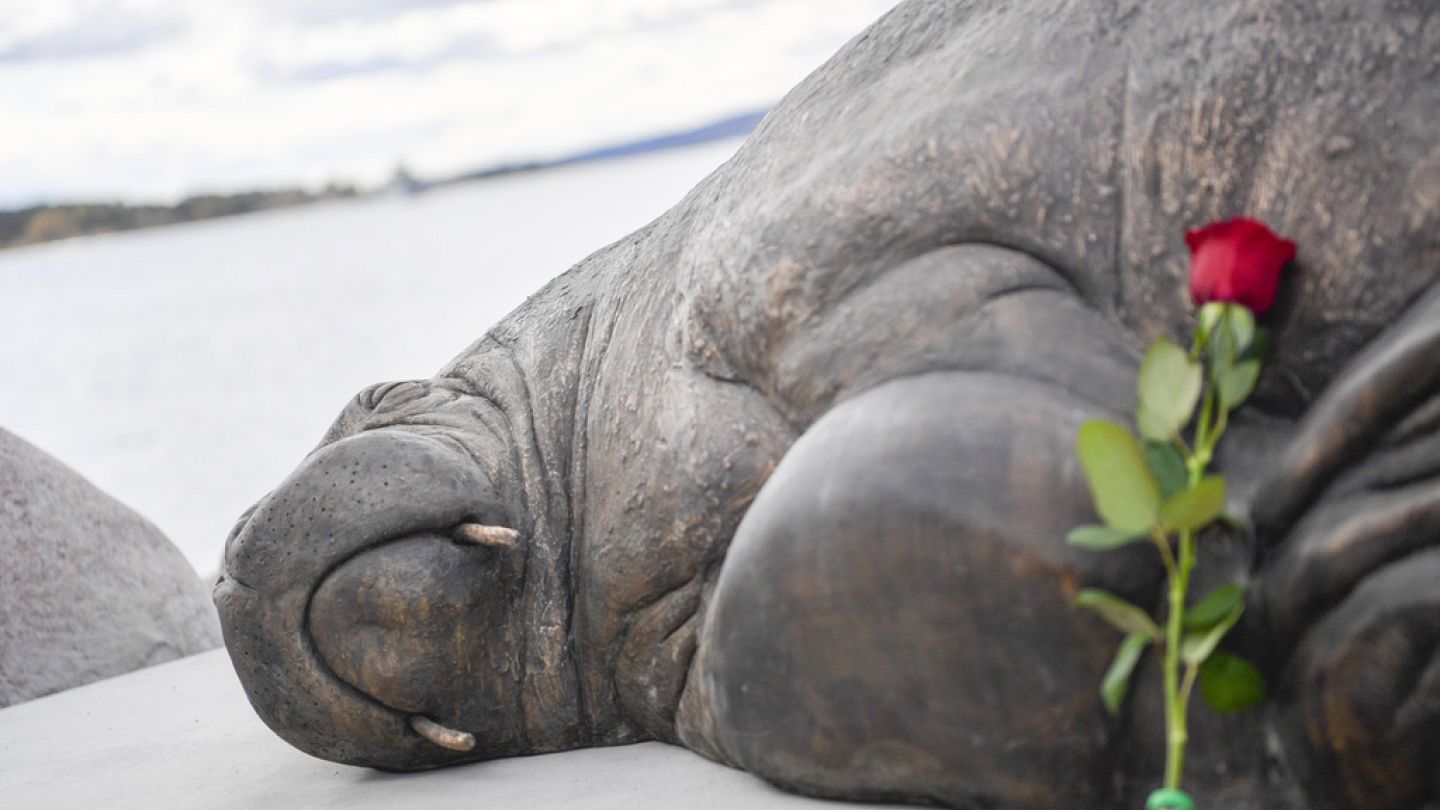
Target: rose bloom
(1237, 261)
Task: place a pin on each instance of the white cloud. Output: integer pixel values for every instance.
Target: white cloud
(175, 96)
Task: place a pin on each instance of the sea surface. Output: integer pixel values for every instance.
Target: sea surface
(187, 370)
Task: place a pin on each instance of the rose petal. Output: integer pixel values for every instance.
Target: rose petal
(1237, 261)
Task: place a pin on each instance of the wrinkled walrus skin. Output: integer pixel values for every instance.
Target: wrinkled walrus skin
(791, 466)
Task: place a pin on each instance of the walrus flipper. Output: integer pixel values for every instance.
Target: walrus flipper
(863, 640)
(1349, 585)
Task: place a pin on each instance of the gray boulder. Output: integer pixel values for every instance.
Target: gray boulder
(88, 588)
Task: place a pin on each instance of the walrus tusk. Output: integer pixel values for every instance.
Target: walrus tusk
(440, 735)
(497, 536)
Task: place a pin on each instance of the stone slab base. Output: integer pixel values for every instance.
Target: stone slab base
(181, 735)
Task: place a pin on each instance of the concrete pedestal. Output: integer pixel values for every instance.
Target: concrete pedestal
(181, 735)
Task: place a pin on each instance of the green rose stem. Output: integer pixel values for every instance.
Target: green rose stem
(1154, 486)
(1208, 429)
(1177, 694)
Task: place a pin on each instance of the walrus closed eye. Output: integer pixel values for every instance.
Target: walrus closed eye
(783, 477)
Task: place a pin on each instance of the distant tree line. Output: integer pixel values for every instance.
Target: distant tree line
(44, 223)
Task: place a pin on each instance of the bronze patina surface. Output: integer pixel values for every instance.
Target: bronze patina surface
(786, 473)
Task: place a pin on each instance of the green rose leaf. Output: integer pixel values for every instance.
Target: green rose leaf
(1210, 315)
(1101, 538)
(1152, 424)
(1231, 684)
(1117, 678)
(1242, 327)
(1125, 494)
(1196, 647)
(1169, 388)
(1237, 382)
(1168, 467)
(1121, 615)
(1237, 523)
(1221, 349)
(1258, 344)
(1195, 507)
(1214, 608)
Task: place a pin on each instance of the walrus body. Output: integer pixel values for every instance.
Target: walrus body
(784, 476)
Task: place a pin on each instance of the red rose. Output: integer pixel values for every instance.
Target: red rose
(1237, 261)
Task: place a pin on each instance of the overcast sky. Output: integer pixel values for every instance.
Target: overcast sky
(155, 99)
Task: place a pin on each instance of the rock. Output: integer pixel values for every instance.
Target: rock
(88, 588)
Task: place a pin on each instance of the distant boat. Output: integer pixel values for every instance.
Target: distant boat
(403, 183)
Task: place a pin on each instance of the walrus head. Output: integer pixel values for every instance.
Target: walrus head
(371, 602)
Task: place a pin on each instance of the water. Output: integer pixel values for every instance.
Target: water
(187, 370)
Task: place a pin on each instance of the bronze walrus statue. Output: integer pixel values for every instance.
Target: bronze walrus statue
(784, 476)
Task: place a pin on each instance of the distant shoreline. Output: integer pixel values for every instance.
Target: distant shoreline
(47, 223)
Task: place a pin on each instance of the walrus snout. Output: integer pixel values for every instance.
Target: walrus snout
(362, 538)
(423, 625)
